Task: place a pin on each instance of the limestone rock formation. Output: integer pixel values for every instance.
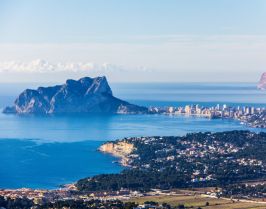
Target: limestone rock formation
(86, 95)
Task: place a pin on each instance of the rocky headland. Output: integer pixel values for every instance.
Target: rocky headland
(120, 149)
(262, 83)
(86, 95)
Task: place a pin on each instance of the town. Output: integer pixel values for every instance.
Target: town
(249, 115)
(222, 166)
(69, 197)
(194, 160)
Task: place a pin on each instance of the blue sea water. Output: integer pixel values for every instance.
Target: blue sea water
(44, 152)
(25, 163)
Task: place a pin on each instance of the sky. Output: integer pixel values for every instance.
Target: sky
(133, 41)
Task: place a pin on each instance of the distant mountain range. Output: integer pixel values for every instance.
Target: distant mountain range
(262, 83)
(86, 95)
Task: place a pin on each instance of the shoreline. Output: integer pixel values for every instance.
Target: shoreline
(123, 149)
(120, 150)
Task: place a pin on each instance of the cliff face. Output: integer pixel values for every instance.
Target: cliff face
(86, 95)
(119, 149)
(262, 82)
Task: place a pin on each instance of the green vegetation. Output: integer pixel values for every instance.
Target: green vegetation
(194, 160)
(18, 203)
(159, 202)
(198, 201)
(24, 203)
(245, 190)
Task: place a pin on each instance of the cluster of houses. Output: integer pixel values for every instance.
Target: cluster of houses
(250, 115)
(41, 196)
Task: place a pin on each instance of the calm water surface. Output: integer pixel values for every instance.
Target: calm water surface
(44, 152)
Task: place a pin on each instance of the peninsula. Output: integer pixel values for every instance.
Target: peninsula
(224, 159)
(94, 95)
(86, 95)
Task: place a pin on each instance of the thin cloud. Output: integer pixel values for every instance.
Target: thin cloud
(43, 66)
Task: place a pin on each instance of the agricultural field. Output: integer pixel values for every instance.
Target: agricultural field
(196, 201)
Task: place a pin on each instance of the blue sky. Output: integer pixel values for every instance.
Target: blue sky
(140, 40)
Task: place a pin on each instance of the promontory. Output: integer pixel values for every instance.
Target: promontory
(262, 83)
(86, 95)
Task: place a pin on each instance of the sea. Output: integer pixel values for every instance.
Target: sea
(46, 152)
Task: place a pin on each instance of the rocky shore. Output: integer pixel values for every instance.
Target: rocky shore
(120, 149)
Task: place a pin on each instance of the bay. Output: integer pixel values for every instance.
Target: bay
(46, 151)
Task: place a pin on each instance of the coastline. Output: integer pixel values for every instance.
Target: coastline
(120, 149)
(124, 149)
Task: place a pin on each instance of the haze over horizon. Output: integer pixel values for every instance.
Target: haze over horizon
(133, 41)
